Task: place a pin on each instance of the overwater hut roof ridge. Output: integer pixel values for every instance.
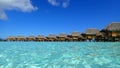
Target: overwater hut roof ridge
(62, 35)
(92, 31)
(75, 33)
(31, 36)
(52, 36)
(40, 36)
(113, 26)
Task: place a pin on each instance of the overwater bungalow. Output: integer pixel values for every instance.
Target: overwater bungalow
(91, 33)
(112, 31)
(51, 37)
(62, 37)
(40, 38)
(20, 38)
(11, 38)
(76, 36)
(100, 37)
(30, 38)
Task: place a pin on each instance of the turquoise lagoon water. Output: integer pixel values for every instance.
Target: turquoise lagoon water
(59, 55)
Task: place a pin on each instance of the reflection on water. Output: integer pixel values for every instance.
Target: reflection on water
(59, 55)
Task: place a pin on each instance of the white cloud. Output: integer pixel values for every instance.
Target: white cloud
(53, 2)
(63, 3)
(22, 5)
(3, 15)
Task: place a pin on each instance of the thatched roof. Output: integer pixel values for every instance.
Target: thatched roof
(51, 36)
(31, 37)
(100, 34)
(62, 35)
(40, 36)
(20, 37)
(11, 37)
(92, 31)
(114, 26)
(75, 33)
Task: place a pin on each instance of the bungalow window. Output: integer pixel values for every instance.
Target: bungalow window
(114, 34)
(89, 37)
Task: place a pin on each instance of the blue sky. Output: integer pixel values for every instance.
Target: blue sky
(55, 16)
